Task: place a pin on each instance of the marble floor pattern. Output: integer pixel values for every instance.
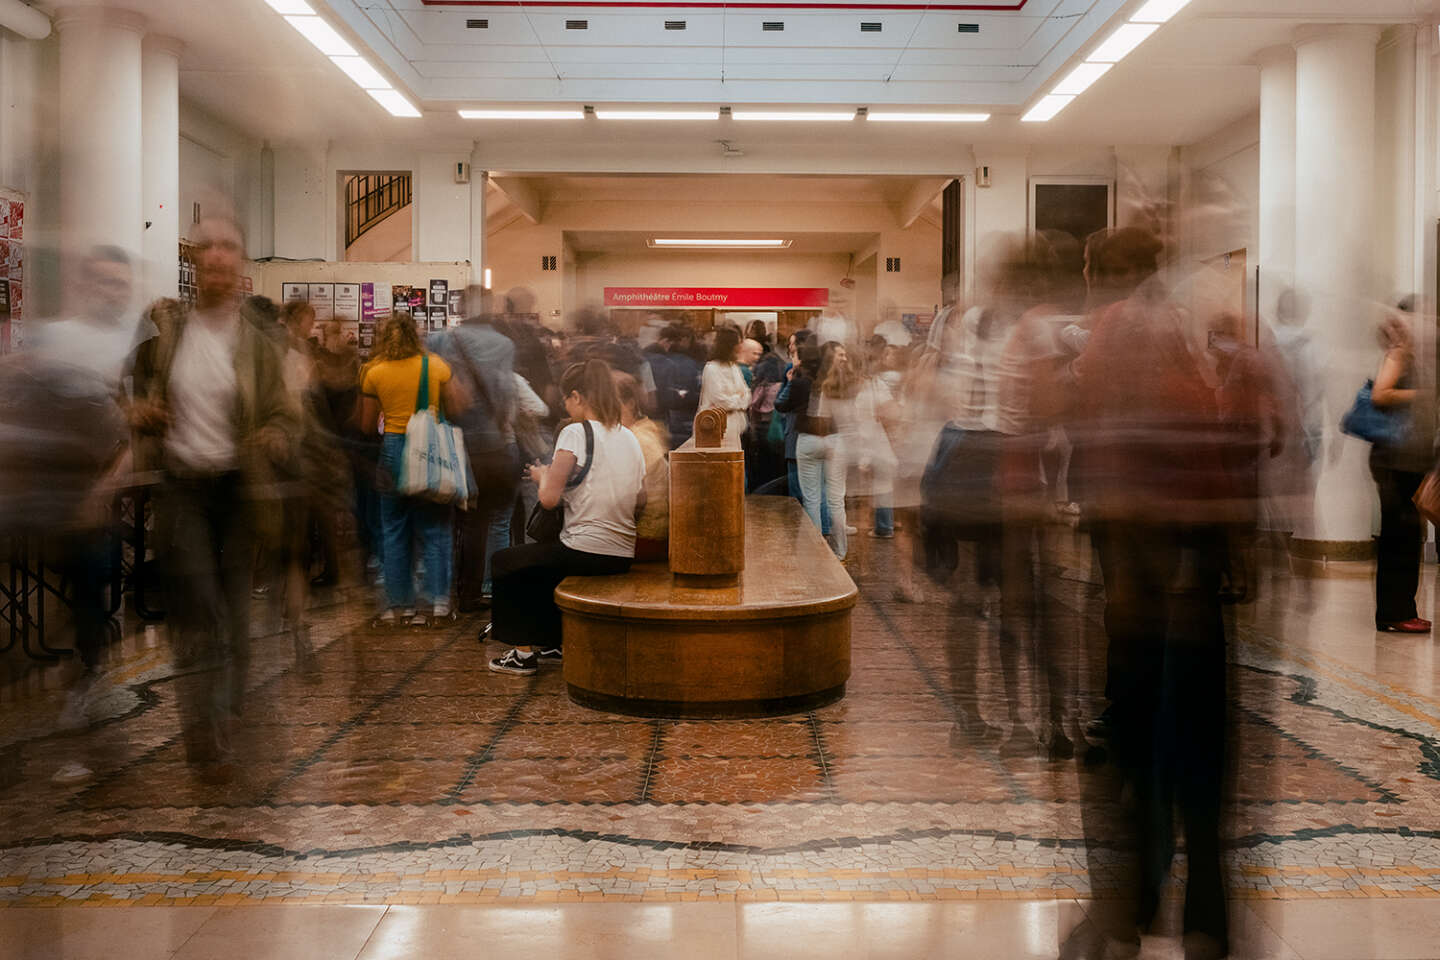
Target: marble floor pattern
(410, 775)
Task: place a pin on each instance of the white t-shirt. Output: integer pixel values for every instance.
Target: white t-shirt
(203, 394)
(600, 512)
(100, 347)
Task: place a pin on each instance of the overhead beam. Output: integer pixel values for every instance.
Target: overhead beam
(523, 193)
(917, 198)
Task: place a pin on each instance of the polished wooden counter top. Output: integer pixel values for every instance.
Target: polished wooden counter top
(789, 572)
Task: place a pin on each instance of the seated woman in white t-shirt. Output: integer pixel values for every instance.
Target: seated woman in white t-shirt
(599, 533)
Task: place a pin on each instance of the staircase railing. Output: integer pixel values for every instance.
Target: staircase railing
(370, 198)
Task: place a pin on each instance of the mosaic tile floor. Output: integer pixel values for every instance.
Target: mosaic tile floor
(410, 774)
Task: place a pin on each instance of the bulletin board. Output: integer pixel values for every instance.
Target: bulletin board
(12, 270)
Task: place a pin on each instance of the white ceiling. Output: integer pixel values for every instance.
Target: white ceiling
(244, 65)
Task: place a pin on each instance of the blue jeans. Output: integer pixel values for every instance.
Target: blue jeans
(884, 520)
(820, 462)
(498, 538)
(792, 477)
(404, 520)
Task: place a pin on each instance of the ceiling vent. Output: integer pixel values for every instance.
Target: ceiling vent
(674, 24)
(577, 24)
(870, 27)
(968, 27)
(477, 24)
(772, 26)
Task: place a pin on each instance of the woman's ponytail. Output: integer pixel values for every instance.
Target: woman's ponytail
(594, 381)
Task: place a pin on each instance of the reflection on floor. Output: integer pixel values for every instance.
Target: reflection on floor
(411, 775)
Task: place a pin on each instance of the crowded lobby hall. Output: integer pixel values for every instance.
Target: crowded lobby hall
(756, 480)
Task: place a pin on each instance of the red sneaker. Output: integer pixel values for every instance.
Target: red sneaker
(1413, 625)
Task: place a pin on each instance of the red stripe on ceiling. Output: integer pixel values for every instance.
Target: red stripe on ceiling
(678, 4)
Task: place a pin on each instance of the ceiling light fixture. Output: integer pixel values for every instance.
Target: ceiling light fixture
(395, 102)
(1046, 108)
(1120, 43)
(359, 70)
(1080, 79)
(1159, 11)
(296, 7)
(802, 117)
(730, 243)
(325, 37)
(927, 117)
(657, 114)
(522, 114)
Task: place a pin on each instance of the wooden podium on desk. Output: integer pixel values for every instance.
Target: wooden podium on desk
(750, 617)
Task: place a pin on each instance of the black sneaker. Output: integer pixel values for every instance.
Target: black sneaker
(515, 662)
(551, 655)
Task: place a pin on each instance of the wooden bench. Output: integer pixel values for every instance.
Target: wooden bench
(774, 640)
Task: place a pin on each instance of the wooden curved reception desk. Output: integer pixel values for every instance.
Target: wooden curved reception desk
(775, 640)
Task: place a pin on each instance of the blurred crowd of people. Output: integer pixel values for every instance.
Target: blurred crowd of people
(1091, 389)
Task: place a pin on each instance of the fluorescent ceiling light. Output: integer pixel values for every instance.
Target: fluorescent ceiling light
(395, 102)
(359, 70)
(673, 242)
(1079, 79)
(657, 114)
(523, 114)
(1158, 11)
(1119, 44)
(803, 117)
(324, 36)
(928, 117)
(297, 7)
(1047, 108)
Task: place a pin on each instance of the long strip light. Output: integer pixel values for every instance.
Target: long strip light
(522, 114)
(1115, 48)
(300, 15)
(888, 117)
(657, 114)
(812, 116)
(1158, 11)
(325, 37)
(730, 243)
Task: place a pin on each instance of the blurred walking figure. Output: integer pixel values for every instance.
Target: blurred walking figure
(391, 385)
(484, 362)
(215, 396)
(1398, 469)
(825, 443)
(722, 384)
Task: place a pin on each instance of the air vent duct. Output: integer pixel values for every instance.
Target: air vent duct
(870, 27)
(477, 24)
(577, 24)
(772, 26)
(674, 24)
(968, 27)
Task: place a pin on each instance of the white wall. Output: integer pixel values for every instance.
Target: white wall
(220, 169)
(513, 256)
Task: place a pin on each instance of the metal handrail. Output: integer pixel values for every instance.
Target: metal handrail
(370, 198)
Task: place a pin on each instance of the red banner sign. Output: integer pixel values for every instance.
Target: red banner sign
(787, 298)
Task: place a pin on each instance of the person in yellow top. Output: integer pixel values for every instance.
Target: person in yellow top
(390, 385)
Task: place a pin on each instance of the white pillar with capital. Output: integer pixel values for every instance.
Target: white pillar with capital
(160, 140)
(1334, 236)
(1277, 175)
(99, 124)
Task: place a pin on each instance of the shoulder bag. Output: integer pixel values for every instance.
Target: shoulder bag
(545, 523)
(1380, 426)
(434, 465)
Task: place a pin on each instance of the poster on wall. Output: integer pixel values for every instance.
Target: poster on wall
(290, 292)
(322, 298)
(457, 306)
(437, 319)
(439, 293)
(12, 270)
(400, 299)
(4, 316)
(375, 309)
(347, 311)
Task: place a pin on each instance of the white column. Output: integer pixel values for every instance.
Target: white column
(1277, 175)
(99, 123)
(1334, 235)
(479, 184)
(160, 138)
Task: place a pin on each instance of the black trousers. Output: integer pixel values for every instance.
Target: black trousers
(1397, 552)
(523, 580)
(210, 557)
